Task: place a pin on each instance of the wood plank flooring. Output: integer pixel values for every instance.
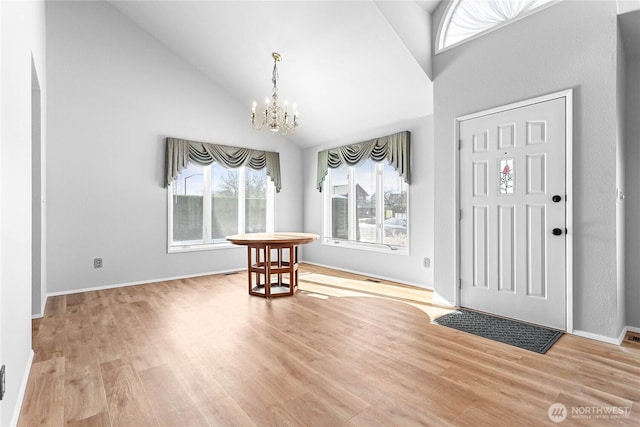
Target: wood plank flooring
(202, 352)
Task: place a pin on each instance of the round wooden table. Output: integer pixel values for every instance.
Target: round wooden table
(269, 255)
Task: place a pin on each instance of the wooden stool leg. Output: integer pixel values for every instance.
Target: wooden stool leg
(280, 266)
(294, 263)
(260, 263)
(249, 269)
(267, 276)
(290, 268)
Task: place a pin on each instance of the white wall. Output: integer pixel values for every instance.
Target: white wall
(408, 269)
(413, 25)
(22, 34)
(632, 140)
(567, 45)
(625, 6)
(115, 93)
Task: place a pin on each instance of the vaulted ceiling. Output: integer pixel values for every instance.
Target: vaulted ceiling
(351, 66)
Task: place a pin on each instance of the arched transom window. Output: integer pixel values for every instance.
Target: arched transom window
(466, 19)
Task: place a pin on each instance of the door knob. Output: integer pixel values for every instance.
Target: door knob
(556, 231)
(556, 198)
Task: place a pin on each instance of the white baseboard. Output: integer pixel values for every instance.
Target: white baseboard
(440, 300)
(42, 306)
(21, 392)
(142, 282)
(362, 273)
(601, 338)
(622, 334)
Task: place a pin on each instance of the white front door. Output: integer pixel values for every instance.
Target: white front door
(513, 213)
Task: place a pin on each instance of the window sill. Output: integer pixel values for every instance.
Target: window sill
(369, 247)
(201, 247)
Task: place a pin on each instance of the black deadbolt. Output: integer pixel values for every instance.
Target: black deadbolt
(556, 198)
(556, 232)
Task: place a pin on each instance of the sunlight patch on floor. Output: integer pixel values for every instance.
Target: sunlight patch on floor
(314, 284)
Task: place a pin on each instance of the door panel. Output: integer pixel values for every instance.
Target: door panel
(480, 247)
(506, 248)
(511, 262)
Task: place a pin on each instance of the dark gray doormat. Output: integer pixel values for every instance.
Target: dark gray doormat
(512, 332)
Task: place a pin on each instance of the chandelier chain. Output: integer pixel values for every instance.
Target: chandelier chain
(274, 78)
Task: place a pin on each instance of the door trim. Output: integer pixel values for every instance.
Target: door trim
(568, 98)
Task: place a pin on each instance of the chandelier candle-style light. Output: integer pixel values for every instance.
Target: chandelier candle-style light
(274, 117)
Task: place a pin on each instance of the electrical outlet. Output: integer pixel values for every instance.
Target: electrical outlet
(427, 263)
(3, 385)
(97, 263)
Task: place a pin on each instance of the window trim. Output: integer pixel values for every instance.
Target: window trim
(351, 243)
(209, 244)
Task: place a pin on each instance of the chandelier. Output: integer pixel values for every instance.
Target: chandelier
(274, 117)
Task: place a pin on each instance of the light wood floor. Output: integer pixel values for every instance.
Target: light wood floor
(202, 351)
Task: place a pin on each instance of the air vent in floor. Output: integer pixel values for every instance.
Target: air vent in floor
(632, 337)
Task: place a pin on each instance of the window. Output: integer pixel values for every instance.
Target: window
(467, 19)
(209, 203)
(367, 207)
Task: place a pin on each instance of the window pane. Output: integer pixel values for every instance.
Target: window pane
(256, 201)
(365, 180)
(187, 198)
(506, 174)
(340, 202)
(224, 202)
(395, 207)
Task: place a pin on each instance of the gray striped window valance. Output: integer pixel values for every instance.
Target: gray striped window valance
(181, 151)
(394, 148)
